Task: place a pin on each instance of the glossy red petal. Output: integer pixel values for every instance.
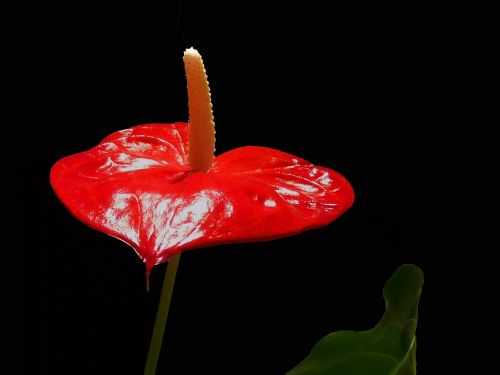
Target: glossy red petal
(136, 186)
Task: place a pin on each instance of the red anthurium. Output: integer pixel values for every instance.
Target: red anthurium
(141, 186)
(136, 185)
(159, 188)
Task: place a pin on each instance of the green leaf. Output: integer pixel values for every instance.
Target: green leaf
(387, 349)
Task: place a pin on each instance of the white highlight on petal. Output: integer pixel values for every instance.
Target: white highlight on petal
(108, 146)
(178, 221)
(118, 215)
(123, 164)
(229, 210)
(139, 163)
(120, 201)
(325, 179)
(108, 164)
(305, 187)
(122, 157)
(269, 203)
(284, 191)
(137, 146)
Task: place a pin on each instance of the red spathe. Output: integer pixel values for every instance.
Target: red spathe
(136, 185)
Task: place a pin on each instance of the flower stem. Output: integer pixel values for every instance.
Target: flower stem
(161, 315)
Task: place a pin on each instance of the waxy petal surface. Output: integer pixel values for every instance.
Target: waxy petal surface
(136, 185)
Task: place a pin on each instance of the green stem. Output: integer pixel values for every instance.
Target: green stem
(161, 315)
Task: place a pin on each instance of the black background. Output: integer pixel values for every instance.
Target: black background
(348, 88)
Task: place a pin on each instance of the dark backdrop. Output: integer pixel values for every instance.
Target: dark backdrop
(344, 88)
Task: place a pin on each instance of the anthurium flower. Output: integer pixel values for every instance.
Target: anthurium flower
(159, 188)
